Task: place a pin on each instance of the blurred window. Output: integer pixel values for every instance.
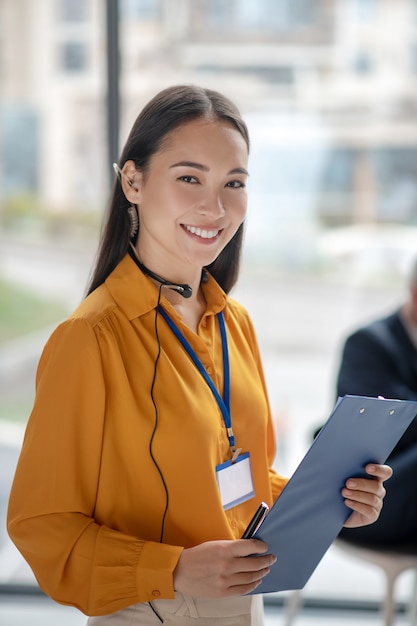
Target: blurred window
(396, 174)
(19, 150)
(72, 10)
(332, 182)
(387, 175)
(72, 35)
(367, 9)
(134, 9)
(250, 16)
(413, 51)
(363, 63)
(73, 56)
(336, 186)
(338, 170)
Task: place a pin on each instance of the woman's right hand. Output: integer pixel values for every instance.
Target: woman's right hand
(216, 569)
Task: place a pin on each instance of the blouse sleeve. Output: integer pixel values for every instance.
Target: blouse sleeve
(51, 508)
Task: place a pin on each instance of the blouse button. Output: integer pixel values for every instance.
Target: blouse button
(156, 593)
(233, 524)
(209, 370)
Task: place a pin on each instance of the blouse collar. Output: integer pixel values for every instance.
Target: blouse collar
(137, 295)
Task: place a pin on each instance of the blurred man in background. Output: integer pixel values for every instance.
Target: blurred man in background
(380, 359)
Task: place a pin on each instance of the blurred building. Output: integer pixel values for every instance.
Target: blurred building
(329, 88)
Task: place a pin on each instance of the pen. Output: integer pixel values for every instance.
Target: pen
(256, 521)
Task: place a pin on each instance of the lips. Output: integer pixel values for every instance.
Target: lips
(202, 232)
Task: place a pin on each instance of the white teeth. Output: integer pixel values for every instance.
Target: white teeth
(204, 234)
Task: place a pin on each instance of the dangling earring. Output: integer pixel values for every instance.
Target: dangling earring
(132, 210)
(133, 220)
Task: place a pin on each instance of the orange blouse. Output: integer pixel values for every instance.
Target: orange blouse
(87, 504)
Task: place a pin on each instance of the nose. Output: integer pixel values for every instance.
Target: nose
(212, 205)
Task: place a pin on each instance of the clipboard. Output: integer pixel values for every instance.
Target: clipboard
(309, 514)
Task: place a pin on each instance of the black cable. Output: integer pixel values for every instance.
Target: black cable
(153, 609)
(157, 420)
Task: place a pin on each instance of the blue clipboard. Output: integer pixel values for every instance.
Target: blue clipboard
(310, 512)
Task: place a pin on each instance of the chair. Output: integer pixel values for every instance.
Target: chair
(393, 563)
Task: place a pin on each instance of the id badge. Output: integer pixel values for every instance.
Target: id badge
(235, 481)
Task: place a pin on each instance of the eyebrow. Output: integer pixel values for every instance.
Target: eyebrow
(204, 168)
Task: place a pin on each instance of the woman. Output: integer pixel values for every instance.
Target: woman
(135, 481)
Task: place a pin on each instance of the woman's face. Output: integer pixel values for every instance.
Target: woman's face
(192, 198)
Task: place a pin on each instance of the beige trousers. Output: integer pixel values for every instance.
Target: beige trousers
(187, 611)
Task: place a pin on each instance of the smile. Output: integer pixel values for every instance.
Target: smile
(201, 232)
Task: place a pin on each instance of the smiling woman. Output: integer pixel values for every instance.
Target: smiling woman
(189, 208)
(150, 443)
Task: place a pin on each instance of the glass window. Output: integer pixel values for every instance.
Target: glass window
(363, 63)
(73, 56)
(336, 186)
(396, 174)
(19, 150)
(338, 170)
(134, 9)
(264, 15)
(366, 9)
(72, 10)
(413, 55)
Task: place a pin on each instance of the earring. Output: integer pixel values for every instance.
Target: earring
(133, 220)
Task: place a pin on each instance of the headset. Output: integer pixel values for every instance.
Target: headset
(120, 174)
(184, 290)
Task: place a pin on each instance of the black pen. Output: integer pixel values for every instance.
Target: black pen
(256, 521)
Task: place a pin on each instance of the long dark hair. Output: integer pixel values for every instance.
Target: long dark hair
(168, 110)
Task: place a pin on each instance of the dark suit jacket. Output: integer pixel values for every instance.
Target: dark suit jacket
(380, 360)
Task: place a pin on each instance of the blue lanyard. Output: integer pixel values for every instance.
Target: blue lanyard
(224, 404)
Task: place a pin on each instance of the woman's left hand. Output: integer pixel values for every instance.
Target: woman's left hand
(365, 495)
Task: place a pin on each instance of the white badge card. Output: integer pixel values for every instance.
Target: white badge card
(235, 481)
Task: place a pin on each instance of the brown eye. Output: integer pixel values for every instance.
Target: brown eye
(235, 184)
(188, 179)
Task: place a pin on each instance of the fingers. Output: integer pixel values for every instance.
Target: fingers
(383, 472)
(363, 489)
(245, 583)
(367, 503)
(365, 495)
(246, 547)
(368, 490)
(361, 493)
(247, 573)
(222, 568)
(253, 563)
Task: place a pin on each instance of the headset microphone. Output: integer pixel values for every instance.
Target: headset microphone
(184, 290)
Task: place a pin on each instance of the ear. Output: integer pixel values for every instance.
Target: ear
(131, 181)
